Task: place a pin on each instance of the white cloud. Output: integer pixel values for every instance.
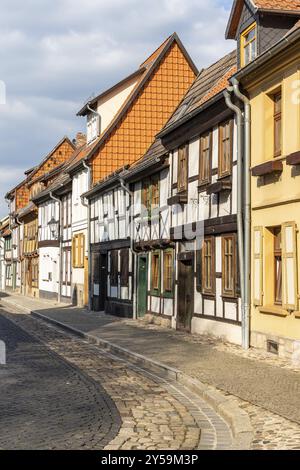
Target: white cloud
(56, 53)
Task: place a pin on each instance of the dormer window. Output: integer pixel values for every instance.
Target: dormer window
(93, 127)
(249, 45)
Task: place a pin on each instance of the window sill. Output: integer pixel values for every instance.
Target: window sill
(219, 187)
(267, 168)
(273, 310)
(179, 198)
(297, 314)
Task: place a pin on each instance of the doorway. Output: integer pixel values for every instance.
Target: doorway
(185, 296)
(142, 286)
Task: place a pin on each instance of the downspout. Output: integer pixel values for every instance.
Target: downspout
(240, 225)
(132, 248)
(247, 208)
(88, 205)
(60, 242)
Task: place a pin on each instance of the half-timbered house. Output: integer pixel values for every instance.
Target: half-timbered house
(25, 214)
(201, 140)
(160, 84)
(55, 234)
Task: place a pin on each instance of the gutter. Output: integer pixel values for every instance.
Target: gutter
(88, 205)
(240, 185)
(132, 248)
(60, 242)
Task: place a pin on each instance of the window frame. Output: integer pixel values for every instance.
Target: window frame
(277, 117)
(243, 44)
(208, 290)
(228, 171)
(229, 293)
(203, 181)
(155, 291)
(168, 292)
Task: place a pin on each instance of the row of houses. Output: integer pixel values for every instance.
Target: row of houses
(181, 203)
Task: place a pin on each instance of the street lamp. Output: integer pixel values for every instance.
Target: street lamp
(53, 225)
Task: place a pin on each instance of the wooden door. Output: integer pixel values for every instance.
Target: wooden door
(185, 296)
(103, 281)
(142, 286)
(99, 281)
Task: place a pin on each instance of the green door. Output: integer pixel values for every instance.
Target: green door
(142, 286)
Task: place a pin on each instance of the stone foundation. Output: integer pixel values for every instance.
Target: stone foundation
(287, 348)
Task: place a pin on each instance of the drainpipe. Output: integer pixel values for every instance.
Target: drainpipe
(132, 248)
(247, 208)
(240, 225)
(88, 205)
(60, 242)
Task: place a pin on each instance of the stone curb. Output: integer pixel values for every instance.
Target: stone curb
(227, 407)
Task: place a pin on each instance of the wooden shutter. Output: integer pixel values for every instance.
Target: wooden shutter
(258, 266)
(124, 271)
(289, 266)
(182, 168)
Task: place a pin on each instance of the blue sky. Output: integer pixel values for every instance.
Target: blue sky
(56, 53)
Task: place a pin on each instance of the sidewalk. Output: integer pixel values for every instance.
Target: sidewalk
(269, 386)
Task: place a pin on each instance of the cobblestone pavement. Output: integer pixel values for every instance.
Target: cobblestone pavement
(59, 391)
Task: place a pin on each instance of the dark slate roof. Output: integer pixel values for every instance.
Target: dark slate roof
(209, 83)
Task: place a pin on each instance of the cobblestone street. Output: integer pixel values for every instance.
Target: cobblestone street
(59, 392)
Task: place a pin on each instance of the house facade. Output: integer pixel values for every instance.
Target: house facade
(267, 83)
(4, 227)
(273, 90)
(163, 80)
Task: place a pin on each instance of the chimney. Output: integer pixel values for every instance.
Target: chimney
(80, 139)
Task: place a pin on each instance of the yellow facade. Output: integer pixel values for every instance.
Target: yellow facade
(275, 201)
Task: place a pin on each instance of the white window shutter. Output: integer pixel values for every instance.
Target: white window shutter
(258, 266)
(289, 266)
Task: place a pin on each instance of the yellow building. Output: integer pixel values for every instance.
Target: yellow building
(272, 82)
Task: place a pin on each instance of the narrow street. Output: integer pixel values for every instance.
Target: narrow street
(60, 392)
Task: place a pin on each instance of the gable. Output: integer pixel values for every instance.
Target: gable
(147, 114)
(22, 197)
(56, 158)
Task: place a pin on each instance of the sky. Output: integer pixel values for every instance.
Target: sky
(55, 54)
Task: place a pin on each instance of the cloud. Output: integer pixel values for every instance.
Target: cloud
(54, 54)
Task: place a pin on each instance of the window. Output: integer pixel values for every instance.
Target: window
(205, 158)
(114, 262)
(155, 273)
(78, 248)
(277, 266)
(277, 124)
(208, 266)
(228, 265)
(124, 271)
(93, 127)
(182, 168)
(225, 148)
(168, 272)
(248, 45)
(155, 192)
(150, 194)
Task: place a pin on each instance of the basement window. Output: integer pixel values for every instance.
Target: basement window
(272, 347)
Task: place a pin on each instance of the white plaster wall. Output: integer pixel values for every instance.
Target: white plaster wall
(49, 263)
(224, 331)
(109, 105)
